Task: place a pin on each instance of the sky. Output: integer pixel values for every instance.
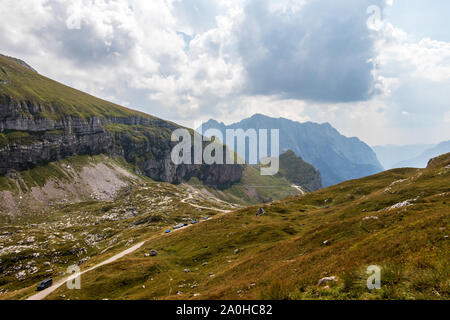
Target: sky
(375, 69)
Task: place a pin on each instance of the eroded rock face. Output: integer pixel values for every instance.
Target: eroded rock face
(144, 142)
(316, 182)
(212, 175)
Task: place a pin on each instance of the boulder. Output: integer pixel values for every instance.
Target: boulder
(326, 280)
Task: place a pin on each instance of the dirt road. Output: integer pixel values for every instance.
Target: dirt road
(44, 293)
(201, 207)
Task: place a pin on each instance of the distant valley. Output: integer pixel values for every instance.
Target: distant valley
(415, 156)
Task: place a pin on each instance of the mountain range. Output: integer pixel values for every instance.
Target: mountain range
(337, 157)
(421, 160)
(416, 155)
(391, 155)
(43, 122)
(299, 172)
(89, 183)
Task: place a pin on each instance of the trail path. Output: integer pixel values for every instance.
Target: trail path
(44, 293)
(190, 197)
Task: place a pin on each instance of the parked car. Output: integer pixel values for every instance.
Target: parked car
(168, 231)
(194, 221)
(45, 284)
(178, 226)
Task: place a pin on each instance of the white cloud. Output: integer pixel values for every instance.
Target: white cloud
(447, 118)
(127, 50)
(399, 52)
(184, 60)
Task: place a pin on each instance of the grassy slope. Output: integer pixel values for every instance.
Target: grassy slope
(38, 176)
(282, 255)
(66, 233)
(56, 99)
(253, 188)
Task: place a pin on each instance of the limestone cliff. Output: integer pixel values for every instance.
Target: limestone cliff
(43, 121)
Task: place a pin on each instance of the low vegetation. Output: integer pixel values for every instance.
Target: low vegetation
(252, 188)
(397, 220)
(43, 241)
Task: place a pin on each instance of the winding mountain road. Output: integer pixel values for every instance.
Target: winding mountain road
(190, 197)
(44, 293)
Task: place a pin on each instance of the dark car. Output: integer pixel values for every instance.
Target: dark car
(44, 284)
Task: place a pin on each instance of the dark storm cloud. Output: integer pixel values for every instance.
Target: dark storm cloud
(320, 52)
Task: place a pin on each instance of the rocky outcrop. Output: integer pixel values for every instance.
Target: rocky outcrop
(316, 182)
(300, 173)
(21, 62)
(439, 162)
(29, 139)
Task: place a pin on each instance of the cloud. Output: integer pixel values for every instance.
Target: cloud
(228, 59)
(447, 118)
(196, 54)
(401, 54)
(416, 76)
(310, 50)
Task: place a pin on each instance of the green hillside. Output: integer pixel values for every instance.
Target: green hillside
(397, 220)
(254, 188)
(81, 210)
